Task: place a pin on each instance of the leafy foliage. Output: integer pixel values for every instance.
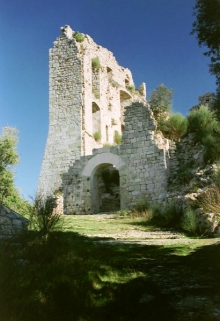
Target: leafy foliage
(131, 88)
(97, 136)
(117, 138)
(174, 127)
(78, 36)
(160, 101)
(210, 200)
(207, 30)
(206, 129)
(189, 222)
(8, 157)
(96, 63)
(44, 216)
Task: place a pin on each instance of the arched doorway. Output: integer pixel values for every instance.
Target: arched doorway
(105, 189)
(103, 172)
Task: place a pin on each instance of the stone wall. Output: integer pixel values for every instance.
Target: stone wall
(83, 100)
(11, 223)
(141, 161)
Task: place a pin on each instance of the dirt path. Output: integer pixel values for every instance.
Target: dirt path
(139, 235)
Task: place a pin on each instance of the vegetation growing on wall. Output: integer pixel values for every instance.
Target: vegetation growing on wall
(117, 138)
(96, 63)
(78, 36)
(97, 136)
(131, 88)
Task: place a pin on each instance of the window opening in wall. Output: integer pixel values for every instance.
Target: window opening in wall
(96, 122)
(126, 82)
(105, 189)
(95, 80)
(125, 100)
(106, 132)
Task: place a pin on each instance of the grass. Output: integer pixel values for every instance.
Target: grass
(74, 276)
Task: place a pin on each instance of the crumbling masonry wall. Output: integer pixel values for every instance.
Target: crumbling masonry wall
(141, 161)
(87, 98)
(83, 100)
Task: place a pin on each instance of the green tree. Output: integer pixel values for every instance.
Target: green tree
(9, 195)
(8, 157)
(206, 129)
(160, 101)
(207, 30)
(174, 127)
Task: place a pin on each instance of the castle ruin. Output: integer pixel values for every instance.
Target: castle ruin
(92, 101)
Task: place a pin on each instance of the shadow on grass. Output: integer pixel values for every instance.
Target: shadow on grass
(70, 277)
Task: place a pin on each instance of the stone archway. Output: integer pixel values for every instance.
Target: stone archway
(94, 170)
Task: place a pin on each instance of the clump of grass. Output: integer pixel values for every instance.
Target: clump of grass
(44, 217)
(96, 63)
(131, 88)
(124, 213)
(168, 216)
(210, 200)
(97, 136)
(216, 176)
(117, 138)
(189, 222)
(142, 206)
(78, 36)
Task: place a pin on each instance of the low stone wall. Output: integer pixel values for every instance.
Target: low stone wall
(11, 223)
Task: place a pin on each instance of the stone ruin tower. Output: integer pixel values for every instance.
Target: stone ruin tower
(88, 92)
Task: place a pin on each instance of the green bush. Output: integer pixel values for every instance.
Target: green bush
(78, 36)
(142, 206)
(44, 217)
(97, 136)
(131, 88)
(168, 216)
(174, 127)
(210, 200)
(189, 223)
(96, 63)
(117, 138)
(216, 176)
(206, 129)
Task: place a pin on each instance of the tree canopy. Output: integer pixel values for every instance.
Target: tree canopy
(207, 30)
(160, 101)
(10, 196)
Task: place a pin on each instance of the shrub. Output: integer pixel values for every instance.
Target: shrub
(189, 223)
(97, 136)
(96, 63)
(210, 200)
(78, 36)
(184, 173)
(117, 138)
(174, 127)
(216, 176)
(206, 129)
(44, 216)
(142, 206)
(168, 216)
(131, 88)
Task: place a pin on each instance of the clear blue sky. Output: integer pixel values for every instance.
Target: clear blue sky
(150, 37)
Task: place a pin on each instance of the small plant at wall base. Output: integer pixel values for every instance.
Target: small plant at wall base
(131, 88)
(97, 136)
(44, 216)
(78, 36)
(117, 138)
(96, 63)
